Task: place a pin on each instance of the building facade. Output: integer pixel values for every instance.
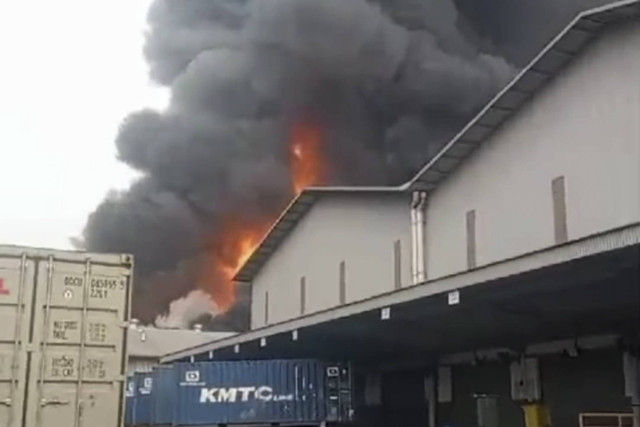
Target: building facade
(322, 263)
(553, 159)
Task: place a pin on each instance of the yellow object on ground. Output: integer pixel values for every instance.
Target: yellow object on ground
(536, 415)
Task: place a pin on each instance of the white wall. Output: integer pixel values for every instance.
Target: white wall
(585, 126)
(357, 229)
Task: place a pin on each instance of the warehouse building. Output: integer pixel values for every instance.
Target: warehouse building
(563, 168)
(146, 345)
(508, 266)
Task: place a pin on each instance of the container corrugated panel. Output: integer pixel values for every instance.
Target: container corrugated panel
(63, 340)
(250, 392)
(130, 402)
(164, 385)
(17, 274)
(142, 403)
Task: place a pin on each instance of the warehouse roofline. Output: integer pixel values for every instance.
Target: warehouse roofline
(546, 65)
(290, 218)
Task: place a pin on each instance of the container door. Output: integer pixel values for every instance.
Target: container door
(129, 406)
(77, 375)
(16, 287)
(164, 389)
(144, 394)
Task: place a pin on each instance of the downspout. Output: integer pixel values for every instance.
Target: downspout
(418, 237)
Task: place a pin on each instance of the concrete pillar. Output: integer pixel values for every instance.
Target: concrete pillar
(487, 410)
(526, 388)
(631, 366)
(430, 393)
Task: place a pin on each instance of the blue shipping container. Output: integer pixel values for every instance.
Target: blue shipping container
(130, 400)
(257, 392)
(141, 415)
(164, 385)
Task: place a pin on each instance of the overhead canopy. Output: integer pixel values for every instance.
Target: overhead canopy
(587, 287)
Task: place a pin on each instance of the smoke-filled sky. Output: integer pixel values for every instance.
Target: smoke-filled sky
(387, 82)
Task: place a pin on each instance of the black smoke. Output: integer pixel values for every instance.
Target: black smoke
(388, 81)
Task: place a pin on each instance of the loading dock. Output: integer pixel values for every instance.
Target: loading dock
(588, 305)
(585, 295)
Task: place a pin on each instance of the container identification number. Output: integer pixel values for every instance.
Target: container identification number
(100, 286)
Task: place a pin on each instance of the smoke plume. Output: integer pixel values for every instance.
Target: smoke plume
(386, 82)
(184, 311)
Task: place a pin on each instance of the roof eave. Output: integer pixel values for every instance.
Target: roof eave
(437, 170)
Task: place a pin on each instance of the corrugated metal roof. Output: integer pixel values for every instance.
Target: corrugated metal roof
(558, 53)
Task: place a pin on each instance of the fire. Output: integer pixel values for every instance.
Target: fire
(308, 163)
(247, 241)
(233, 246)
(239, 238)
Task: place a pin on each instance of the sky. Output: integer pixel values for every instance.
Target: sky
(70, 71)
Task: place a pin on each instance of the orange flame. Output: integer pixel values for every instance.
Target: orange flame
(233, 247)
(308, 163)
(245, 243)
(240, 238)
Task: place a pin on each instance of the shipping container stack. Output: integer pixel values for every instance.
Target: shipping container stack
(62, 341)
(272, 392)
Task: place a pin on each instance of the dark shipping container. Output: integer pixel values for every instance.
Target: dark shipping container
(163, 396)
(130, 401)
(141, 414)
(293, 392)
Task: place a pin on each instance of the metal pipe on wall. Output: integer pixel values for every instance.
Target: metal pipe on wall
(418, 237)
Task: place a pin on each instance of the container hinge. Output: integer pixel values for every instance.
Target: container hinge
(6, 402)
(45, 402)
(126, 259)
(126, 324)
